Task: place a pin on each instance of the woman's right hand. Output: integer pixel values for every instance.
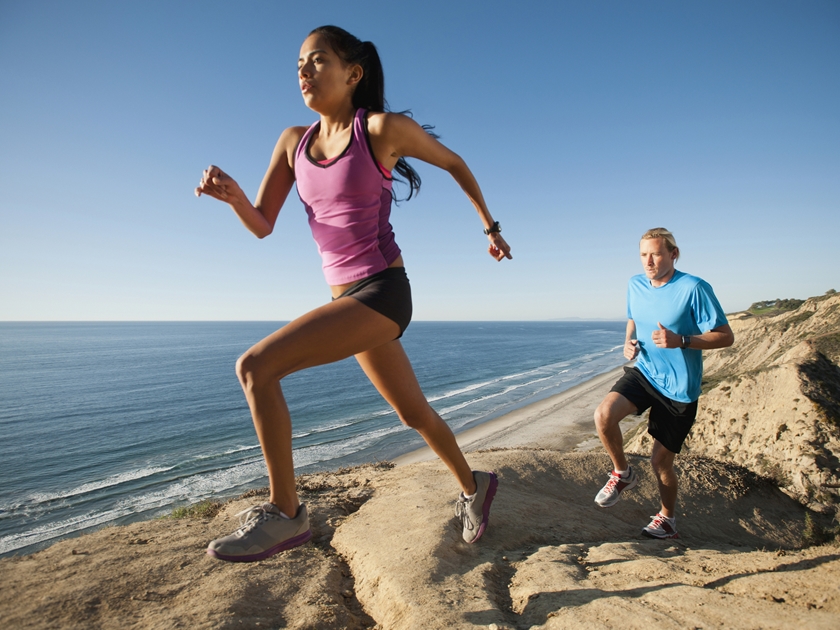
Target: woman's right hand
(498, 249)
(217, 184)
(260, 217)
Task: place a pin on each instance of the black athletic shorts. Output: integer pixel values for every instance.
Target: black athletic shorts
(670, 420)
(388, 293)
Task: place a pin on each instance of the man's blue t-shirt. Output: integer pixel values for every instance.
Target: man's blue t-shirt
(685, 305)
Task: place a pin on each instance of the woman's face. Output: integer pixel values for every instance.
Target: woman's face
(325, 80)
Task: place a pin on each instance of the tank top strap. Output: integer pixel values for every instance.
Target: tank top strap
(360, 136)
(304, 141)
(359, 123)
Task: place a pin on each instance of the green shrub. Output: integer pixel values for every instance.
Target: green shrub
(203, 509)
(774, 307)
(815, 534)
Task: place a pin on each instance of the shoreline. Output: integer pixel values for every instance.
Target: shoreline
(560, 422)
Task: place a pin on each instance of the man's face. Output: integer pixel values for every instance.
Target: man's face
(657, 261)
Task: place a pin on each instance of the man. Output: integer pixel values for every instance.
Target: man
(672, 317)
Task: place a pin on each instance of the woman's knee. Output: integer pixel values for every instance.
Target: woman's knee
(250, 372)
(419, 419)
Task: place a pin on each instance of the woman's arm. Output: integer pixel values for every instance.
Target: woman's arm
(394, 136)
(260, 217)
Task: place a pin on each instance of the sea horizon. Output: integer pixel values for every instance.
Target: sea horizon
(286, 321)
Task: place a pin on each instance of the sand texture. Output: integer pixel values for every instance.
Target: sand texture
(387, 549)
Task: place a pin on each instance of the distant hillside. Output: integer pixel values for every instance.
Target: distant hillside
(774, 307)
(771, 402)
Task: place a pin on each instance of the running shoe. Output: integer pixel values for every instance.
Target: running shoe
(617, 484)
(661, 527)
(262, 533)
(475, 512)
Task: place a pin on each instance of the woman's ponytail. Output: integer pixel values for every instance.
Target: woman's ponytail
(370, 93)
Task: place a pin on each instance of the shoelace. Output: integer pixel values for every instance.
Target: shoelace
(658, 520)
(462, 513)
(612, 483)
(250, 516)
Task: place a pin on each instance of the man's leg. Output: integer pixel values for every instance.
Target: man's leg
(664, 524)
(662, 462)
(612, 410)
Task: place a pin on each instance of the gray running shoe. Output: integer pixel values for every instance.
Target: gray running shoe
(262, 533)
(474, 513)
(661, 527)
(610, 493)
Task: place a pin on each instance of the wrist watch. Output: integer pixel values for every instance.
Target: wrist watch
(686, 342)
(493, 228)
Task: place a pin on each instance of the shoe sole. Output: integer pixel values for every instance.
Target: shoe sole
(629, 486)
(289, 543)
(485, 509)
(649, 535)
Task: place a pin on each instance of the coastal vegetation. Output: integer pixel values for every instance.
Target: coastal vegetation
(774, 307)
(202, 509)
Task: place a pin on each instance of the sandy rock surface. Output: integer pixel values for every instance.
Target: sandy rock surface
(553, 559)
(156, 574)
(387, 552)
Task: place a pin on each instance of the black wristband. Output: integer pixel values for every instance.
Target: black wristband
(493, 229)
(686, 342)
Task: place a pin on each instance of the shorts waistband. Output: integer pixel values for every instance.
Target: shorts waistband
(386, 274)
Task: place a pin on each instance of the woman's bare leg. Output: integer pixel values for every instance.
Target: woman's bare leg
(390, 371)
(330, 333)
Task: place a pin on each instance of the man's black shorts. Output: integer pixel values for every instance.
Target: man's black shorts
(670, 420)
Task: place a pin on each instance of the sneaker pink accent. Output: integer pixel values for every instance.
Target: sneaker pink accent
(661, 527)
(611, 492)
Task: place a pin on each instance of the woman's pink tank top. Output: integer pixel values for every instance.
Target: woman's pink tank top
(348, 202)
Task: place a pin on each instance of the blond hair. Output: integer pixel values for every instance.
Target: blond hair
(665, 235)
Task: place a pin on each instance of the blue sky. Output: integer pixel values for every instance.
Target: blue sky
(585, 123)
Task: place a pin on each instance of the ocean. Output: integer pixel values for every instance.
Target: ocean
(110, 423)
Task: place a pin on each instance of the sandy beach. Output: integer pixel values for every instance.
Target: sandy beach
(562, 422)
(387, 550)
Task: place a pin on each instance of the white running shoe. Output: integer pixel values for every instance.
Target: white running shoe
(617, 484)
(475, 512)
(661, 527)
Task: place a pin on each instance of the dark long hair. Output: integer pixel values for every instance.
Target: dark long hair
(370, 91)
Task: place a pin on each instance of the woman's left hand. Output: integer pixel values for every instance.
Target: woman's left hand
(499, 249)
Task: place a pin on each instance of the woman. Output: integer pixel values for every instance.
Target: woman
(342, 167)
